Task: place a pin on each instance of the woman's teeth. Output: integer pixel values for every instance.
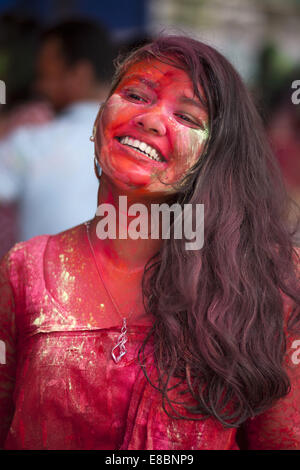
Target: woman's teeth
(146, 149)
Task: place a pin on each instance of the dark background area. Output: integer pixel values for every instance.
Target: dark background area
(121, 17)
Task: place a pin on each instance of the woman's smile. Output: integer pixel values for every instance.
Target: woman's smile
(152, 129)
(142, 147)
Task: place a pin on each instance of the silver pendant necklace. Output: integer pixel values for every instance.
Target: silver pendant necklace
(119, 350)
(120, 346)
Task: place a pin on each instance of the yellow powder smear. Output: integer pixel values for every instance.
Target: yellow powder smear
(40, 320)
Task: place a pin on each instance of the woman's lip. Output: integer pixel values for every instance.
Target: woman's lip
(139, 155)
(119, 137)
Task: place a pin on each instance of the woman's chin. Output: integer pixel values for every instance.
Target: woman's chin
(130, 177)
(144, 187)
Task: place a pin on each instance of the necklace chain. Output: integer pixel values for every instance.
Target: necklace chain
(119, 348)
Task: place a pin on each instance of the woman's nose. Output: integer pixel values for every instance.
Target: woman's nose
(151, 122)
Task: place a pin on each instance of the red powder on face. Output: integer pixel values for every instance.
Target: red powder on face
(152, 105)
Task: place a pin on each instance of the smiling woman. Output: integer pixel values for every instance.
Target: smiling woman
(152, 126)
(120, 343)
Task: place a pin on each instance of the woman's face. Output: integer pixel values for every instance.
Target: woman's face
(152, 128)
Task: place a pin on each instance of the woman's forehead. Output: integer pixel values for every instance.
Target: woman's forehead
(155, 73)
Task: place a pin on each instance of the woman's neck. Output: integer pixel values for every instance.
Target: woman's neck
(120, 249)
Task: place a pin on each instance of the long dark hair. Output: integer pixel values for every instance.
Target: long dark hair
(219, 322)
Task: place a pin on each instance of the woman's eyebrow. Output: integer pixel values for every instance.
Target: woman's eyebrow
(146, 81)
(187, 100)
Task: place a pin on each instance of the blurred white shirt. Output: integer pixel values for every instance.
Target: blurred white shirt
(50, 170)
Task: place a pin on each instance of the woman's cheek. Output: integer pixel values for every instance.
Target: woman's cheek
(188, 148)
(185, 147)
(177, 139)
(111, 118)
(114, 112)
(198, 139)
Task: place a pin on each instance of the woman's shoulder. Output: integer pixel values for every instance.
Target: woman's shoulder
(69, 242)
(31, 253)
(25, 250)
(70, 235)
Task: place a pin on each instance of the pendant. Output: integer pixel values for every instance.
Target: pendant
(122, 339)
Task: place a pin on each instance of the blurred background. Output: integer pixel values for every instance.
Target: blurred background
(55, 79)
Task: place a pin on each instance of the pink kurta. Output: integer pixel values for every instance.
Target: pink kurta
(60, 388)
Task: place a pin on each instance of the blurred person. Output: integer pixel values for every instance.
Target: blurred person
(129, 343)
(34, 113)
(19, 45)
(45, 168)
(19, 41)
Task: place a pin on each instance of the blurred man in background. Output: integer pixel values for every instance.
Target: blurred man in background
(49, 168)
(19, 44)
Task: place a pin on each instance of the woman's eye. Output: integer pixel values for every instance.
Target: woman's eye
(186, 118)
(135, 97)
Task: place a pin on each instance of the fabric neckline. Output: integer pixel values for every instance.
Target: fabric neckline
(67, 313)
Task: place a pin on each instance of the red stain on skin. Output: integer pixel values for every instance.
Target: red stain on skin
(148, 105)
